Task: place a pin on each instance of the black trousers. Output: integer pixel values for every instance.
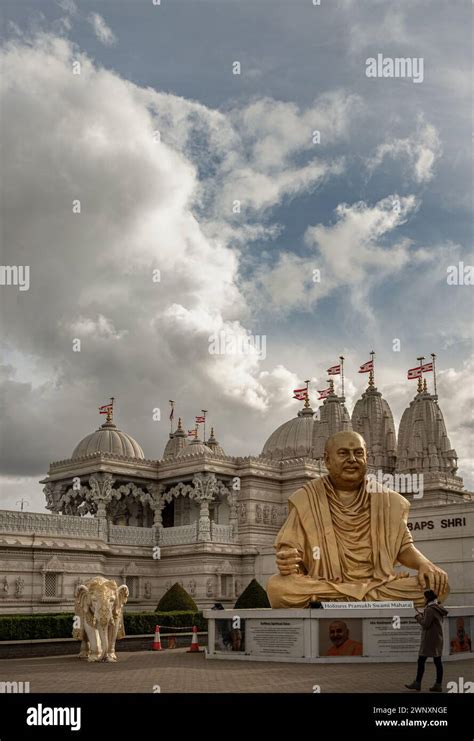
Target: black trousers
(421, 668)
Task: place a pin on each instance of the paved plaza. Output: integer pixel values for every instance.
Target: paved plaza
(179, 671)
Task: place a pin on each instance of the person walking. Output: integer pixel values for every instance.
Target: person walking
(431, 621)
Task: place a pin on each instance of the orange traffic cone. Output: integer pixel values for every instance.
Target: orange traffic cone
(194, 642)
(157, 642)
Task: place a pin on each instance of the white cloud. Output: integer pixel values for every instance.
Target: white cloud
(421, 150)
(101, 29)
(92, 272)
(349, 253)
(69, 6)
(101, 328)
(162, 205)
(248, 153)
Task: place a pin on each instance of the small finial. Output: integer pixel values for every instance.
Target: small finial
(425, 387)
(306, 401)
(372, 371)
(180, 424)
(433, 360)
(420, 380)
(110, 410)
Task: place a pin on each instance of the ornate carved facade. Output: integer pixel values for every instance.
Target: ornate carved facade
(205, 519)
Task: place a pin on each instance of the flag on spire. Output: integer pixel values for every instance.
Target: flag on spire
(335, 370)
(324, 393)
(427, 368)
(192, 433)
(172, 410)
(106, 409)
(366, 367)
(200, 420)
(415, 372)
(300, 394)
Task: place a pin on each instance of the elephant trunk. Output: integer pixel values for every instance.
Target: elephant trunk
(103, 616)
(104, 640)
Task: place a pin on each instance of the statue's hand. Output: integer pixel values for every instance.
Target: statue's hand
(289, 561)
(436, 578)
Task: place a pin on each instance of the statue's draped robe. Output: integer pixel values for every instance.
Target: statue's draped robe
(349, 550)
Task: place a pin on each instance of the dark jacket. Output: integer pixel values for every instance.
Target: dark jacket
(431, 622)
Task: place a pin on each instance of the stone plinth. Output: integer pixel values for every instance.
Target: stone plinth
(351, 632)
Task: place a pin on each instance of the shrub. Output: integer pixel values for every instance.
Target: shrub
(145, 622)
(34, 627)
(31, 627)
(253, 596)
(176, 599)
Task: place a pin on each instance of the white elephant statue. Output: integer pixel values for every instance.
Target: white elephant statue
(99, 618)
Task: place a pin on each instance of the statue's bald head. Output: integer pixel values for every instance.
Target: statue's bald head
(344, 437)
(345, 456)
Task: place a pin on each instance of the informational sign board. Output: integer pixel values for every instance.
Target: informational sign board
(275, 637)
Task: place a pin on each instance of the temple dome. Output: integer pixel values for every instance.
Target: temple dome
(176, 443)
(108, 439)
(333, 417)
(372, 418)
(214, 445)
(293, 439)
(196, 447)
(423, 442)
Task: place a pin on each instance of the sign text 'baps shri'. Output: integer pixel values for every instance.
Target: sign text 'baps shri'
(445, 522)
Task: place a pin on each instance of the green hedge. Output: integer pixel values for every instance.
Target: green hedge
(144, 622)
(32, 627)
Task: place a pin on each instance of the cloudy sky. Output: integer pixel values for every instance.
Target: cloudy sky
(218, 181)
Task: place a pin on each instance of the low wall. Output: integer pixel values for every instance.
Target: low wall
(352, 632)
(69, 646)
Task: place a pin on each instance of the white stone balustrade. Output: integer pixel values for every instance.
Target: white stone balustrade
(221, 533)
(130, 535)
(179, 535)
(43, 524)
(93, 527)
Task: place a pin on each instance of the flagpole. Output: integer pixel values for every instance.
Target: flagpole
(204, 411)
(372, 372)
(171, 415)
(420, 380)
(434, 373)
(341, 358)
(306, 401)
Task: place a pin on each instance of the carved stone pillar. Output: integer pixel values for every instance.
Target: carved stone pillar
(53, 493)
(233, 514)
(204, 533)
(157, 503)
(101, 488)
(205, 487)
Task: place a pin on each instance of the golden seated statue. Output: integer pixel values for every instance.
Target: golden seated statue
(342, 539)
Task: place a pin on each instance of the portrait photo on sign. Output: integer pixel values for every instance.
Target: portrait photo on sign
(340, 637)
(230, 635)
(460, 635)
